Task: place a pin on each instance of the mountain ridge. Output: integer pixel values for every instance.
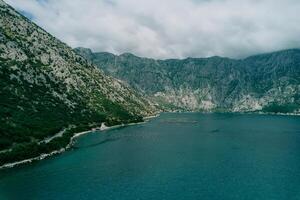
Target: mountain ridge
(266, 82)
(83, 49)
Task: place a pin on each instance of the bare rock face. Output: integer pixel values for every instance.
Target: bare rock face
(267, 82)
(45, 85)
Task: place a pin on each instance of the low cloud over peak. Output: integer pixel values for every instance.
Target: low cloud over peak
(170, 28)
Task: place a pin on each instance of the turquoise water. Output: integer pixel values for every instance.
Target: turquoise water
(174, 156)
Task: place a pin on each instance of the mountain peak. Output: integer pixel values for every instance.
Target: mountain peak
(126, 54)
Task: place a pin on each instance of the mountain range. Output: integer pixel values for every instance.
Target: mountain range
(267, 82)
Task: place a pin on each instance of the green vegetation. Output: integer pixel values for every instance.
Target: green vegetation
(29, 150)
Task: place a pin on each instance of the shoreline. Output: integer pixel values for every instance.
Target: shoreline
(71, 143)
(104, 128)
(280, 114)
(241, 112)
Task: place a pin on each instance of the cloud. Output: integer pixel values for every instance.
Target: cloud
(170, 28)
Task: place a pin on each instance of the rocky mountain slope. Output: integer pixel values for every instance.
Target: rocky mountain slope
(45, 86)
(267, 82)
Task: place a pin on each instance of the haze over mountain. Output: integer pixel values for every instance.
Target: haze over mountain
(170, 28)
(267, 82)
(45, 87)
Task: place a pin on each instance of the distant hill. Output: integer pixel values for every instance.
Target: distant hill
(268, 82)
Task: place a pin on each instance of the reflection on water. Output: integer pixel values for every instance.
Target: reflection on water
(215, 131)
(178, 121)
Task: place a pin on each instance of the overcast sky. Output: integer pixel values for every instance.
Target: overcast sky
(170, 28)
